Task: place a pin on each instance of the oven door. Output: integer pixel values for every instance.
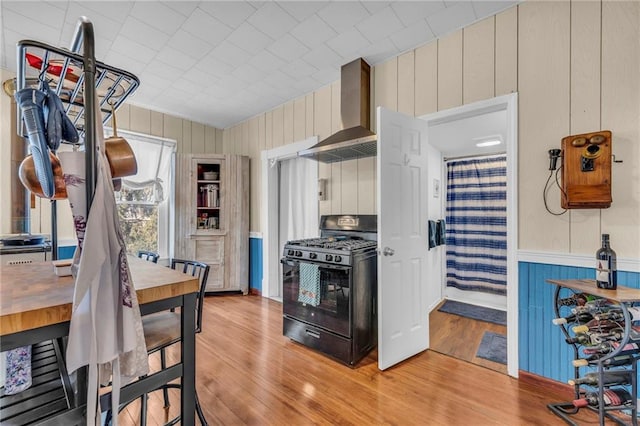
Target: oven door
(333, 310)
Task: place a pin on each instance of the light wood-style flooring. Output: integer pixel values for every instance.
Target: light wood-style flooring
(460, 337)
(249, 374)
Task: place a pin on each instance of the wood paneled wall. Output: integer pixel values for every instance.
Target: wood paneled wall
(575, 66)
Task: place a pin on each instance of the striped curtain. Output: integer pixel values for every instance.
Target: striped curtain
(477, 224)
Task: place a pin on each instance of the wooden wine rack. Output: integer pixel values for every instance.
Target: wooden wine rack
(624, 297)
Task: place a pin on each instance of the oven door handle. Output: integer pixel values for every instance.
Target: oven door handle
(289, 262)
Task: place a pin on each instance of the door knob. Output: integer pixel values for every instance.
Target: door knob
(388, 251)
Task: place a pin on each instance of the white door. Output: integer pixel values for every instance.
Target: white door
(403, 315)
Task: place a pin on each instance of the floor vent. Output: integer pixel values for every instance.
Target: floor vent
(19, 262)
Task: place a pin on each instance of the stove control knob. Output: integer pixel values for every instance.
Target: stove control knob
(313, 255)
(329, 257)
(298, 253)
(338, 258)
(289, 252)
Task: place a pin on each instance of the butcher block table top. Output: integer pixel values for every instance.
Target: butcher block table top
(620, 294)
(32, 296)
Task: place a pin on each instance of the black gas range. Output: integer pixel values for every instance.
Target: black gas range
(330, 288)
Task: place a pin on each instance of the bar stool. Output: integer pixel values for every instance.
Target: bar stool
(163, 329)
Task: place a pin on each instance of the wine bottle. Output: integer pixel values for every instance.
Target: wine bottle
(617, 315)
(589, 338)
(580, 317)
(615, 361)
(576, 299)
(606, 270)
(597, 326)
(611, 397)
(611, 377)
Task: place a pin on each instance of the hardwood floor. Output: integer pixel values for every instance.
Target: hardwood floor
(460, 337)
(249, 374)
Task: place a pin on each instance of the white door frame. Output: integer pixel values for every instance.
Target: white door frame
(510, 104)
(269, 208)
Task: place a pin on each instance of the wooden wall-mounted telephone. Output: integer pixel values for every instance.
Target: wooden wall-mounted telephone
(586, 171)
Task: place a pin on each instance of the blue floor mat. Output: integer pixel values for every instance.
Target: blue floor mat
(493, 347)
(476, 312)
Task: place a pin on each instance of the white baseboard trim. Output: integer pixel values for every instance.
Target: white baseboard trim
(577, 260)
(253, 234)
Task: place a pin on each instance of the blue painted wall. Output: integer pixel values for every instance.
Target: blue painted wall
(66, 252)
(255, 264)
(542, 349)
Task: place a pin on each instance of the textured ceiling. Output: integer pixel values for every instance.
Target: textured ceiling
(221, 62)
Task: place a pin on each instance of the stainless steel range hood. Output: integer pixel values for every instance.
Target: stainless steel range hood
(356, 140)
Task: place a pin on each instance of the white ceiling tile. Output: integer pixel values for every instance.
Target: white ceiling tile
(176, 58)
(185, 8)
(272, 20)
(313, 32)
(451, 19)
(164, 70)
(380, 25)
(157, 15)
(247, 37)
(231, 54)
(489, 8)
(151, 78)
(108, 8)
(144, 34)
(212, 65)
(206, 27)
(343, 15)
(23, 25)
(302, 10)
(412, 11)
(189, 44)
(247, 73)
(266, 61)
(412, 36)
(133, 49)
(103, 26)
(299, 69)
(347, 43)
(232, 13)
(124, 62)
(322, 56)
(198, 76)
(43, 13)
(288, 48)
(227, 86)
(375, 6)
(279, 79)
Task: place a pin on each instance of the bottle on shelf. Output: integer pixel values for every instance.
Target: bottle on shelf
(579, 317)
(611, 397)
(597, 326)
(617, 315)
(576, 299)
(610, 377)
(615, 361)
(606, 270)
(590, 338)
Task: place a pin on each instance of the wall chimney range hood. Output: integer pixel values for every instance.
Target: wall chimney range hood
(356, 140)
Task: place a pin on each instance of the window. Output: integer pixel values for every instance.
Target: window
(145, 201)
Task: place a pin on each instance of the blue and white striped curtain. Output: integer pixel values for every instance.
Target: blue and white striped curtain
(477, 224)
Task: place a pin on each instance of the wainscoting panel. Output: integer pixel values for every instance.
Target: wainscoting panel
(541, 344)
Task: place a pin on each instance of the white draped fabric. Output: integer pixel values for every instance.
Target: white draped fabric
(298, 199)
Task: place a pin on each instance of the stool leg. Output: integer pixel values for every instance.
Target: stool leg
(165, 391)
(143, 409)
(203, 421)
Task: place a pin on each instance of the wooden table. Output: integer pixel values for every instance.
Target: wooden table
(36, 305)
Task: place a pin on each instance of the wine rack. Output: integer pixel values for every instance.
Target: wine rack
(603, 328)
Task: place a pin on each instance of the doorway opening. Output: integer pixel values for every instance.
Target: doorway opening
(281, 207)
(478, 265)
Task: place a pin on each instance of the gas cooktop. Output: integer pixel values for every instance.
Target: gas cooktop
(335, 243)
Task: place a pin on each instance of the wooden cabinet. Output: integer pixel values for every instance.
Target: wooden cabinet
(212, 217)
